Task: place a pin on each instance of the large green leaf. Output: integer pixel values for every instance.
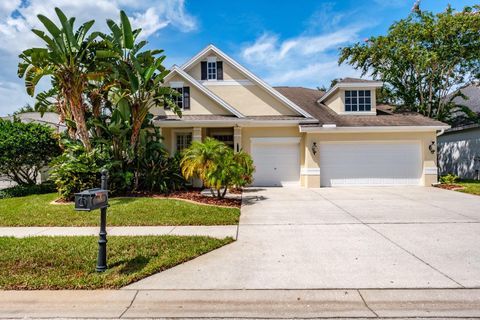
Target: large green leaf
(67, 29)
(127, 33)
(49, 25)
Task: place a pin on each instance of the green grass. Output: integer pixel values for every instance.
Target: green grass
(36, 210)
(470, 186)
(69, 262)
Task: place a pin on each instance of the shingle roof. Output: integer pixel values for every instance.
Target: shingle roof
(307, 99)
(473, 101)
(355, 80)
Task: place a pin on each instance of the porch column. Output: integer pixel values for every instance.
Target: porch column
(197, 134)
(237, 139)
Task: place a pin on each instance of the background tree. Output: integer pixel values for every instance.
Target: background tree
(423, 59)
(25, 148)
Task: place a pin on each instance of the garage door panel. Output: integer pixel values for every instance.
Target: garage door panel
(370, 164)
(276, 164)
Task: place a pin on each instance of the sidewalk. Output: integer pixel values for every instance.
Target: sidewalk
(397, 303)
(211, 231)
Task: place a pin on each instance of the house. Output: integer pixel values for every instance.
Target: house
(459, 147)
(299, 136)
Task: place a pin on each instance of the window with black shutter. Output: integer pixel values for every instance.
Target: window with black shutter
(186, 98)
(219, 70)
(204, 70)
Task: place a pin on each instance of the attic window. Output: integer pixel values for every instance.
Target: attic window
(358, 100)
(212, 70)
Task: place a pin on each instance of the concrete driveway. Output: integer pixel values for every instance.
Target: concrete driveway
(385, 237)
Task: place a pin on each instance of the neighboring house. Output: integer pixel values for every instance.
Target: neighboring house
(49, 118)
(459, 147)
(299, 136)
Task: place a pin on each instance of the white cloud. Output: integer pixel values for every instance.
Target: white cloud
(308, 60)
(17, 19)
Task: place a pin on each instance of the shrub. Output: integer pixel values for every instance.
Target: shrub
(26, 190)
(25, 148)
(449, 179)
(217, 166)
(76, 170)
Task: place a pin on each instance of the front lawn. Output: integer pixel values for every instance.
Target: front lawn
(469, 186)
(69, 262)
(37, 210)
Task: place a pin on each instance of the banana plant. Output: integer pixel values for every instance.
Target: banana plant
(138, 74)
(65, 59)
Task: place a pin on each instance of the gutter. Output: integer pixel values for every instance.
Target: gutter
(334, 129)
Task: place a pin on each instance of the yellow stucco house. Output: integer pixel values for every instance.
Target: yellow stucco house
(299, 136)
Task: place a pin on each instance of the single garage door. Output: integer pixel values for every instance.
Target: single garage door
(359, 163)
(276, 160)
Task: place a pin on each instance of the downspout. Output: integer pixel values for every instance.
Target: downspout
(438, 168)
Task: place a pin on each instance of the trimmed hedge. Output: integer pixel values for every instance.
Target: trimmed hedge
(25, 190)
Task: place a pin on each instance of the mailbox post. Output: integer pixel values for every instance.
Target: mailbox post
(93, 199)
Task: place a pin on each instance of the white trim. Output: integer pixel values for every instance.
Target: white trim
(310, 171)
(280, 140)
(239, 82)
(372, 129)
(358, 113)
(360, 85)
(430, 170)
(226, 123)
(204, 90)
(176, 84)
(212, 59)
(329, 125)
(249, 74)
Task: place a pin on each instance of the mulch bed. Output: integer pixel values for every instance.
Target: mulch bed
(453, 187)
(192, 195)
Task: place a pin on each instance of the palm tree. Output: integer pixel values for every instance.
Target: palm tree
(65, 60)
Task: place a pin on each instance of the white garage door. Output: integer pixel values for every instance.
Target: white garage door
(347, 164)
(276, 160)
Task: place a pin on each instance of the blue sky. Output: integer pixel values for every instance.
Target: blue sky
(284, 42)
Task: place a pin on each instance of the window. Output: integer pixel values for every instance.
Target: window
(179, 99)
(225, 138)
(212, 70)
(183, 140)
(358, 100)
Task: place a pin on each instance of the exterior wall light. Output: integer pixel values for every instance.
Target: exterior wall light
(314, 148)
(431, 147)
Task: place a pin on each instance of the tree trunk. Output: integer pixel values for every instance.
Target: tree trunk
(224, 192)
(79, 117)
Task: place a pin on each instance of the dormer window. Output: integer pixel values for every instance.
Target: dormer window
(212, 70)
(357, 100)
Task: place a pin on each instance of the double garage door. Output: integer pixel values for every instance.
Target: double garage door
(277, 163)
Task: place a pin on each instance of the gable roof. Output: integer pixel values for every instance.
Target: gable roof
(308, 99)
(250, 75)
(199, 86)
(351, 83)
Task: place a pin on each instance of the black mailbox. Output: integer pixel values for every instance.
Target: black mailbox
(91, 199)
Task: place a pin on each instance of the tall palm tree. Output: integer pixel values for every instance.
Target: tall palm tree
(65, 60)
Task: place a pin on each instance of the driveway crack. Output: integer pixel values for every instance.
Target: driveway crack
(366, 304)
(394, 243)
(128, 307)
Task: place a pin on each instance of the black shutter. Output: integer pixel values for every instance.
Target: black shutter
(186, 98)
(219, 70)
(165, 104)
(204, 70)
